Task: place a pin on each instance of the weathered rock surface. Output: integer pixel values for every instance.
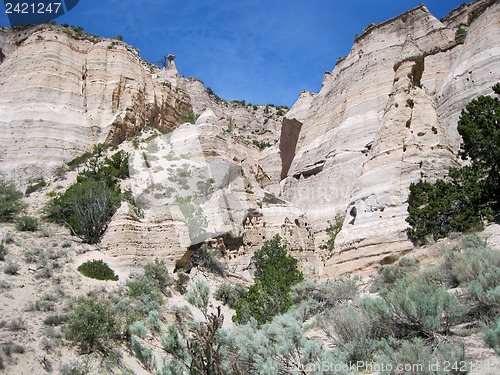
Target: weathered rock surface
(134, 242)
(245, 124)
(61, 93)
(385, 117)
(194, 185)
(79, 90)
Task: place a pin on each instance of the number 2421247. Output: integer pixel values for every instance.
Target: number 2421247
(32, 8)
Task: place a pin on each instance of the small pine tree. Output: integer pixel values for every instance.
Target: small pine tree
(471, 193)
(276, 273)
(10, 201)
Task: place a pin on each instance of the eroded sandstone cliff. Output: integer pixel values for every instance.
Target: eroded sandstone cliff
(60, 94)
(385, 117)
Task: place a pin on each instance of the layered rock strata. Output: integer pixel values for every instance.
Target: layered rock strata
(195, 185)
(60, 94)
(385, 117)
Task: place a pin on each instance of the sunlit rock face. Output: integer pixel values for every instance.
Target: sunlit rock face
(190, 188)
(385, 117)
(61, 93)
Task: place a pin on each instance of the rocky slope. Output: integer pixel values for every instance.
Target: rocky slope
(196, 185)
(385, 117)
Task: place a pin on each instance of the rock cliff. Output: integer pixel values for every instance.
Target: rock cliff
(196, 185)
(385, 117)
(62, 93)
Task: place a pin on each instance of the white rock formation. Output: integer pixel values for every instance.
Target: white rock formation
(385, 117)
(194, 185)
(61, 93)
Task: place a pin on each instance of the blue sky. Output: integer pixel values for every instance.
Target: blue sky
(260, 51)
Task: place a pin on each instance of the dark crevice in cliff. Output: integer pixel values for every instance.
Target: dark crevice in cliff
(288, 142)
(416, 72)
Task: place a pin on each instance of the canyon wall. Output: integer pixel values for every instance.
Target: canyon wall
(385, 117)
(61, 93)
(197, 185)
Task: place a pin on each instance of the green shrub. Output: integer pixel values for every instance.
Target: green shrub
(188, 116)
(11, 268)
(444, 207)
(216, 97)
(92, 324)
(471, 259)
(97, 269)
(55, 320)
(239, 102)
(41, 305)
(36, 255)
(316, 298)
(4, 285)
(204, 257)
(261, 144)
(276, 273)
(35, 187)
(17, 325)
(272, 199)
(144, 355)
(154, 321)
(10, 201)
(351, 332)
(79, 160)
(229, 294)
(86, 208)
(413, 308)
(472, 192)
(390, 274)
(3, 250)
(477, 269)
(138, 329)
(199, 295)
(181, 282)
(9, 238)
(333, 230)
(277, 347)
(157, 272)
(145, 294)
(26, 224)
(117, 166)
(460, 35)
(75, 367)
(491, 335)
(46, 271)
(11, 348)
(413, 357)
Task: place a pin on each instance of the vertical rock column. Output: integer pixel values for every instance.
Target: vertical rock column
(411, 144)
